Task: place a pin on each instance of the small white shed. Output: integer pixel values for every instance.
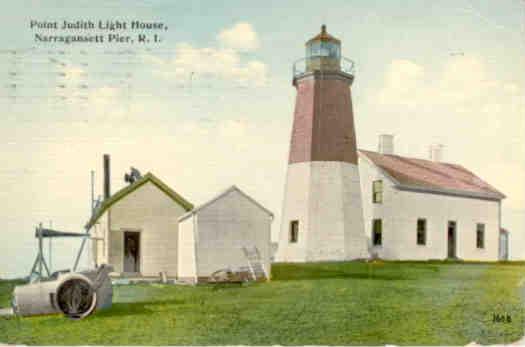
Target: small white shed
(231, 231)
(135, 229)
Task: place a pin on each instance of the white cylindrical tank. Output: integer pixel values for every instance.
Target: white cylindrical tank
(72, 294)
(34, 298)
(76, 294)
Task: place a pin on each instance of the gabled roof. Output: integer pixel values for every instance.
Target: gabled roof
(219, 196)
(149, 177)
(430, 176)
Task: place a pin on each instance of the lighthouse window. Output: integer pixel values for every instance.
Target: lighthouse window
(294, 231)
(323, 49)
(377, 192)
(314, 49)
(329, 49)
(480, 235)
(377, 232)
(421, 231)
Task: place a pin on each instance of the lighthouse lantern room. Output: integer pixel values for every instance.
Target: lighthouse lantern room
(323, 52)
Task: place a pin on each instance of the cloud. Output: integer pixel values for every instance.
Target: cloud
(106, 100)
(209, 63)
(403, 78)
(459, 82)
(241, 37)
(73, 73)
(192, 64)
(403, 74)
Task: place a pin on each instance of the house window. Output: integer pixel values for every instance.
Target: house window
(377, 231)
(377, 192)
(294, 231)
(421, 231)
(480, 235)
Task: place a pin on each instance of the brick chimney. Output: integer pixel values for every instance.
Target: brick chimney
(436, 152)
(386, 144)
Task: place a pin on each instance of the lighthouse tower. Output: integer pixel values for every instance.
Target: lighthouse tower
(322, 213)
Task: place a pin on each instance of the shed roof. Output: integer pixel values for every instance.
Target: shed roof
(149, 177)
(431, 176)
(219, 196)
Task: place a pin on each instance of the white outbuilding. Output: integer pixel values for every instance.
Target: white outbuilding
(231, 231)
(135, 229)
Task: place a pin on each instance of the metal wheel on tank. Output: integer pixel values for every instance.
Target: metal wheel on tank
(76, 298)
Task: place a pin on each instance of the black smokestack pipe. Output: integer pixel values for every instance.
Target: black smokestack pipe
(107, 175)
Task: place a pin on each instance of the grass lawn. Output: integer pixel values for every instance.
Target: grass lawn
(308, 304)
(6, 288)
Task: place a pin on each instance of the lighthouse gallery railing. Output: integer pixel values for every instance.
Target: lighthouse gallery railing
(299, 67)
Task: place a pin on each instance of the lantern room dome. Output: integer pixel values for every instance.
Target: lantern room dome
(323, 36)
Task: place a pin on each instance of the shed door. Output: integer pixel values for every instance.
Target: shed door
(131, 252)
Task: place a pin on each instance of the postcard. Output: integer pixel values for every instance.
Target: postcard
(262, 173)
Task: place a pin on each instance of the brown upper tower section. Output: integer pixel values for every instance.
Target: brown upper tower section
(323, 128)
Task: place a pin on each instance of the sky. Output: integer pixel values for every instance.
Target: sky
(211, 105)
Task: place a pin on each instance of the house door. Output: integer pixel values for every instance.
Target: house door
(131, 251)
(451, 237)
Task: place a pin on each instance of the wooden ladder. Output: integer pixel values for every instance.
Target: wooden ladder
(254, 262)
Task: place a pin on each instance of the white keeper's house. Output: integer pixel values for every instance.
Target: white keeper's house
(427, 209)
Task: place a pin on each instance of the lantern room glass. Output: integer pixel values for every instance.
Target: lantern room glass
(323, 49)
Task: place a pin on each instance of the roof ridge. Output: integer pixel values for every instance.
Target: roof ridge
(123, 192)
(411, 158)
(414, 162)
(409, 171)
(220, 195)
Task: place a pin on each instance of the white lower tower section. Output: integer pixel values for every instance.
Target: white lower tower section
(325, 198)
